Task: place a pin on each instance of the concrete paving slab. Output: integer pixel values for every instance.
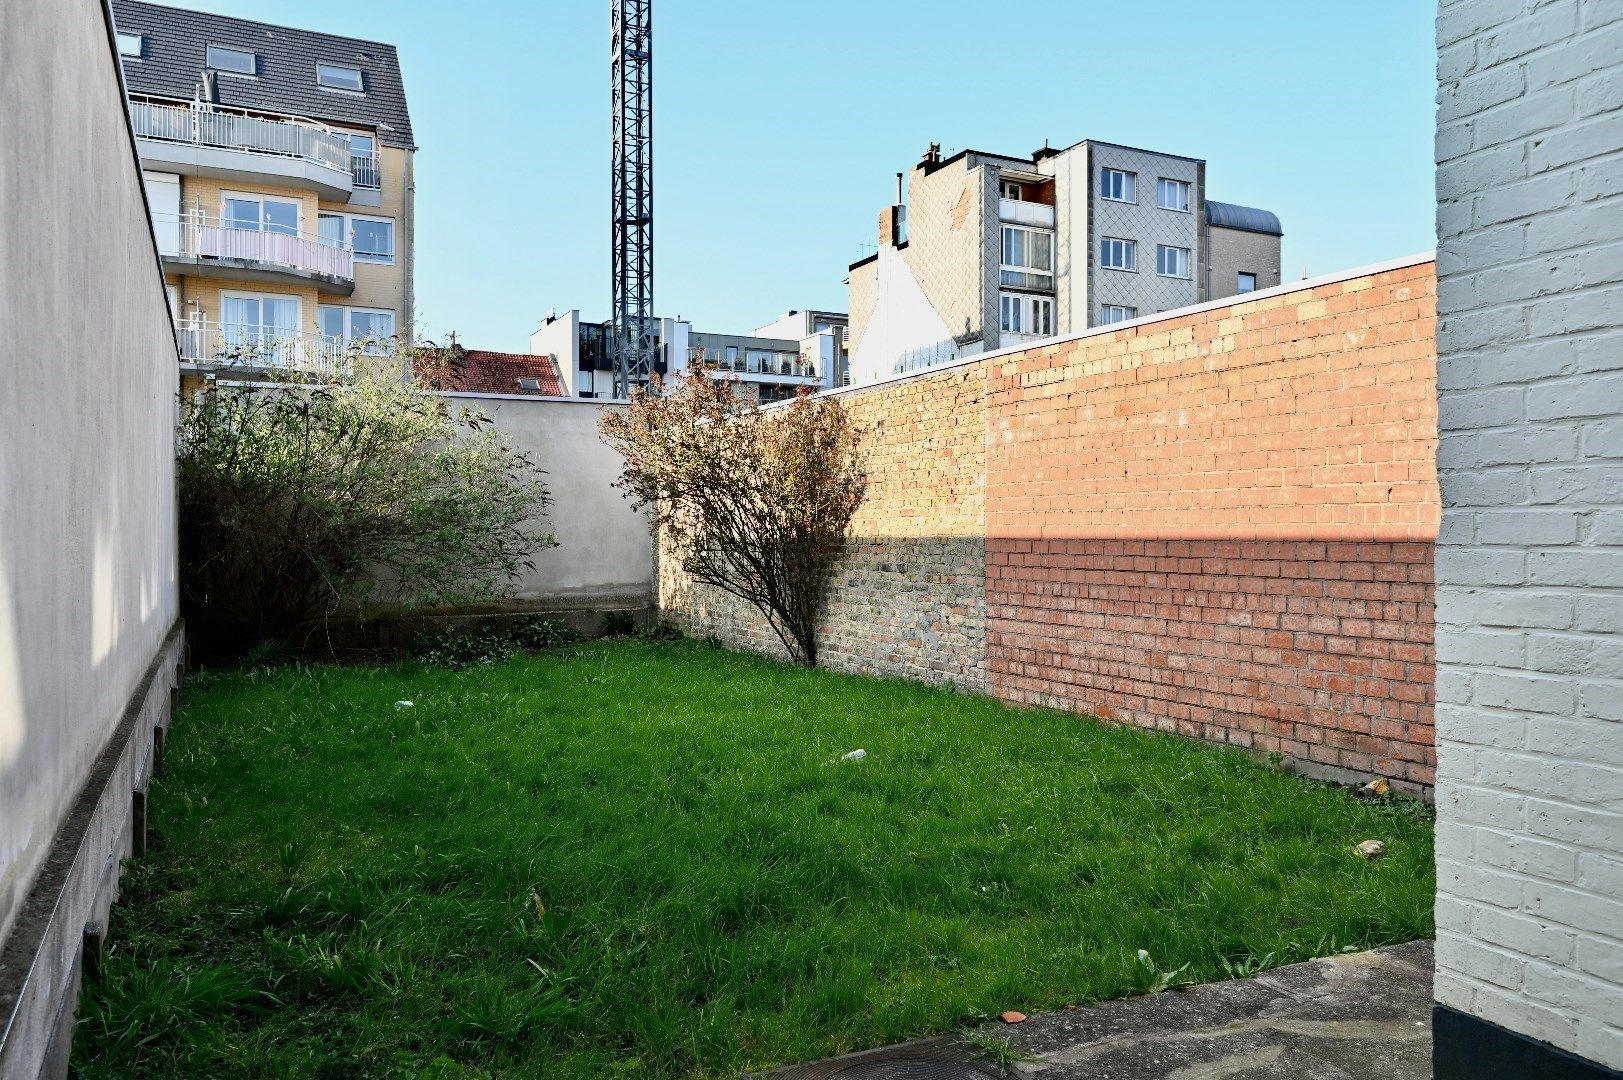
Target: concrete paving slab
(1350, 1017)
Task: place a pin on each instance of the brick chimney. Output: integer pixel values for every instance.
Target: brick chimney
(890, 226)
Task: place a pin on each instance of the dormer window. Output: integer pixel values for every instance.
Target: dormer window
(339, 77)
(236, 61)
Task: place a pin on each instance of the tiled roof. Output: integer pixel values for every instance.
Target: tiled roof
(477, 371)
(172, 60)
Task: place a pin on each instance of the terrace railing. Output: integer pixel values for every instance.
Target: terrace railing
(263, 348)
(197, 235)
(236, 129)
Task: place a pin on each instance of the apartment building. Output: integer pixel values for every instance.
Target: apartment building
(279, 168)
(991, 251)
(799, 350)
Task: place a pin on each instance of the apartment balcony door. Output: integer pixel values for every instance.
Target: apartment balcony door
(264, 328)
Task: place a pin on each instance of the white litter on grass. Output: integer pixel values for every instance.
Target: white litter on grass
(855, 755)
(403, 704)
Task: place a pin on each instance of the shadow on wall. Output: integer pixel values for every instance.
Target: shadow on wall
(1319, 651)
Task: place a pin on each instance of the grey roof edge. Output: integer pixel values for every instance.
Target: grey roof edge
(1245, 218)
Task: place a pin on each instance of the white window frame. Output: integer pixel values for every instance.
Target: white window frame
(347, 238)
(1128, 182)
(262, 199)
(1110, 314)
(245, 294)
(349, 312)
(1030, 270)
(1042, 316)
(1181, 255)
(125, 37)
(1183, 187)
(1239, 282)
(1026, 314)
(1014, 191)
(211, 48)
(1129, 249)
(323, 66)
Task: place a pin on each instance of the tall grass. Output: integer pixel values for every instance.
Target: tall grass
(634, 859)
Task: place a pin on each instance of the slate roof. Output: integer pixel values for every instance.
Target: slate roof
(479, 371)
(1245, 218)
(172, 60)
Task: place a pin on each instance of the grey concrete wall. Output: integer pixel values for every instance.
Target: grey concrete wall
(605, 553)
(1530, 558)
(1234, 250)
(87, 510)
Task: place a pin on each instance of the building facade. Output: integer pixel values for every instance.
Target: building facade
(278, 164)
(799, 350)
(991, 251)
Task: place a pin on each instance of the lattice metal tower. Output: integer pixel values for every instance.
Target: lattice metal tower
(633, 326)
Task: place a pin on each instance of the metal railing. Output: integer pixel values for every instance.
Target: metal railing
(235, 129)
(263, 347)
(197, 235)
(747, 365)
(363, 166)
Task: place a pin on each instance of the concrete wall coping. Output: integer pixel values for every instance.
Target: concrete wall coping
(1369, 270)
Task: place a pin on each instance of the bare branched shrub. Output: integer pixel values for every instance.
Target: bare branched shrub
(299, 500)
(757, 504)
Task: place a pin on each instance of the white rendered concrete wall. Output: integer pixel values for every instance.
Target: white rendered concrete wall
(87, 472)
(560, 339)
(904, 322)
(1530, 560)
(605, 555)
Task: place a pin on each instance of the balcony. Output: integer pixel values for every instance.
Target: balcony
(230, 144)
(263, 348)
(1020, 212)
(198, 245)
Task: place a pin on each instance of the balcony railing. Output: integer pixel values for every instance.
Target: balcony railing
(263, 348)
(1021, 212)
(364, 167)
(234, 129)
(799, 368)
(200, 236)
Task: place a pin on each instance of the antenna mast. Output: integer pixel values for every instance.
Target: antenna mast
(633, 342)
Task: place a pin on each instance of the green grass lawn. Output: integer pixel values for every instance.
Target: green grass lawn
(646, 859)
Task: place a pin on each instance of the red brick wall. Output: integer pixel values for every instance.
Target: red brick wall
(1218, 523)
(1221, 524)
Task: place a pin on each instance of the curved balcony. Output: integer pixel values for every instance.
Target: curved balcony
(263, 348)
(201, 245)
(233, 144)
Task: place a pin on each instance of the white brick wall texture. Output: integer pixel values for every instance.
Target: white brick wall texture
(1530, 559)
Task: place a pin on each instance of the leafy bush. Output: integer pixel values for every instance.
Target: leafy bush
(533, 633)
(755, 503)
(460, 647)
(298, 501)
(619, 624)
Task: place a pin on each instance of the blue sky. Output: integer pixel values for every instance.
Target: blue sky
(780, 128)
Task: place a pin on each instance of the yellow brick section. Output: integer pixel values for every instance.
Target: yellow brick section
(864, 289)
(910, 597)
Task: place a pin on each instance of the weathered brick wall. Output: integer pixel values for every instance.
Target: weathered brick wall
(910, 598)
(1221, 524)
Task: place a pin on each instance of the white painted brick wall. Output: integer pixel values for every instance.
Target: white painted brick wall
(1530, 561)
